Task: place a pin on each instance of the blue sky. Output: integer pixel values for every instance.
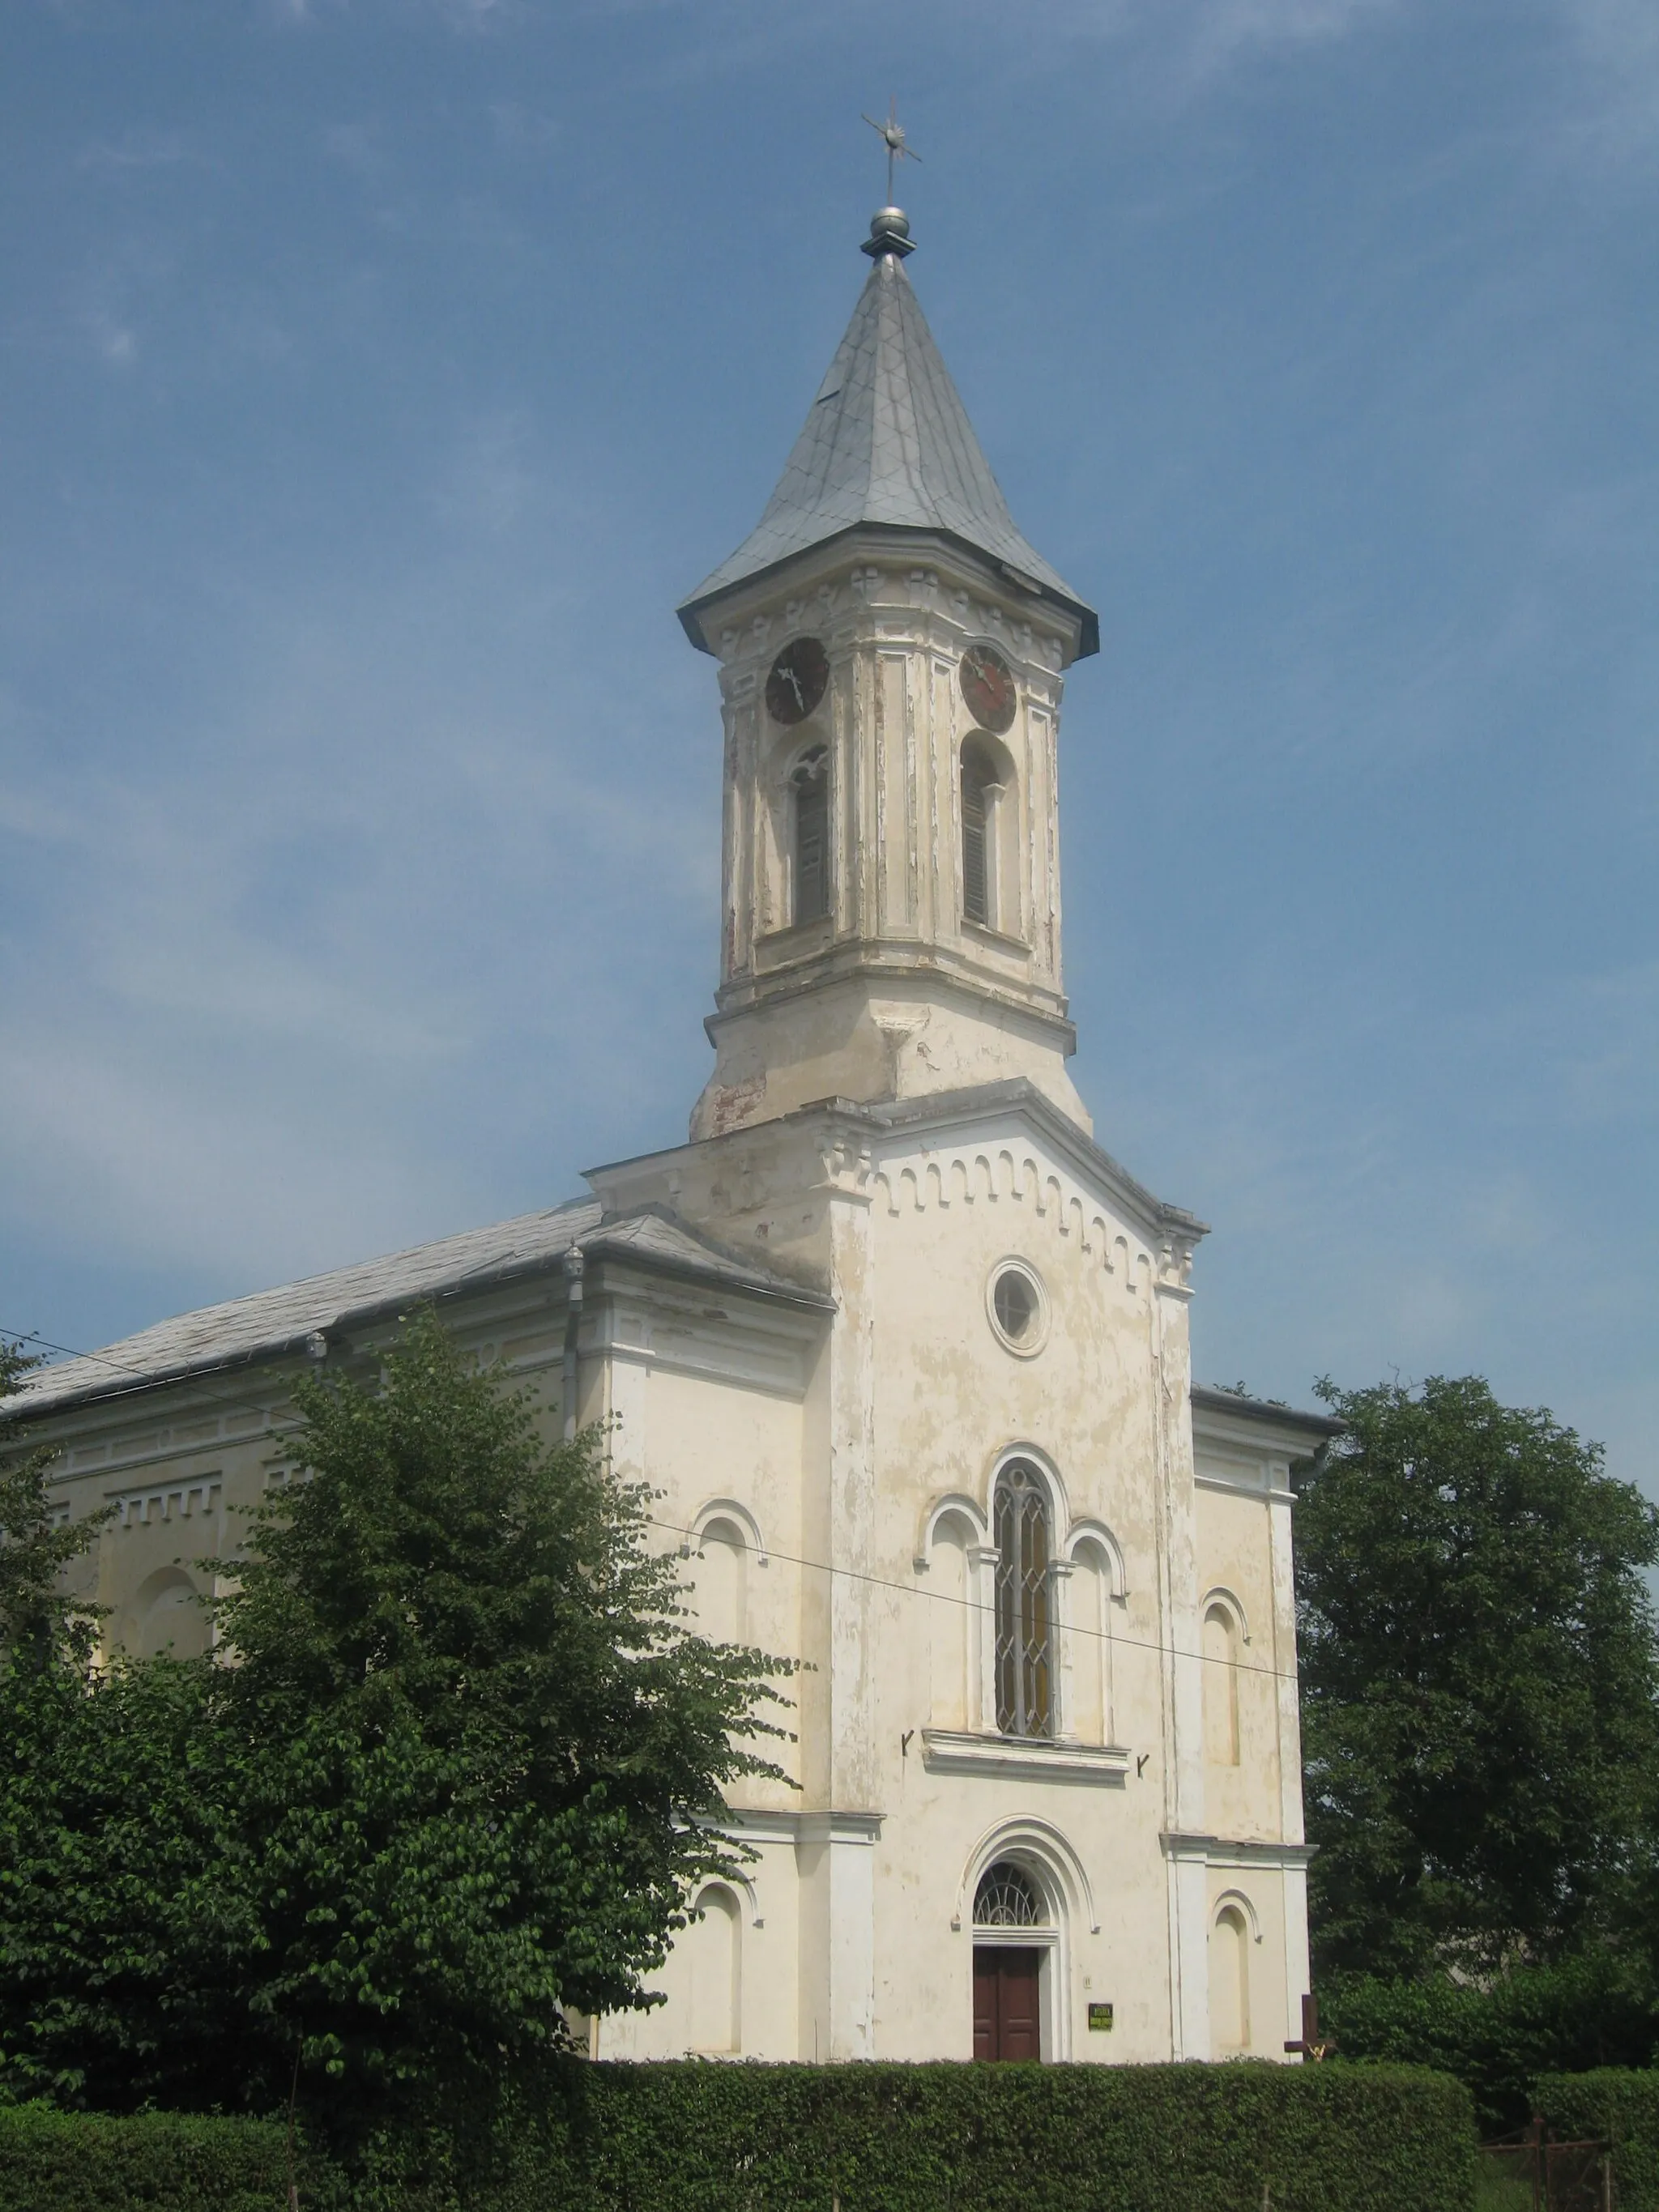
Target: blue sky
(376, 377)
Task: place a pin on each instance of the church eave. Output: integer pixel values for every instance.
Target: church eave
(943, 1109)
(619, 1244)
(1263, 1413)
(958, 1107)
(692, 610)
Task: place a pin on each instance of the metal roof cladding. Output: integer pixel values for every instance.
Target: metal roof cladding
(888, 441)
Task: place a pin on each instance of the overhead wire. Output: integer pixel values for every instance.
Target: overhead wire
(816, 1566)
(976, 1605)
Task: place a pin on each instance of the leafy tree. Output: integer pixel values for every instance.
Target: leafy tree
(37, 1616)
(1499, 2036)
(129, 1934)
(458, 1781)
(1481, 1698)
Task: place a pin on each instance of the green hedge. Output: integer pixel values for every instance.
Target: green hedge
(1622, 2109)
(53, 2161)
(1589, 2012)
(685, 2138)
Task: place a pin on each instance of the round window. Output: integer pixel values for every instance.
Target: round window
(1018, 1307)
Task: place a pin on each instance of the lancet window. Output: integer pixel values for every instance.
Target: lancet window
(809, 786)
(1024, 1611)
(979, 788)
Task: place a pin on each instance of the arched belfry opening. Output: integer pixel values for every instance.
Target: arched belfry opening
(980, 791)
(809, 806)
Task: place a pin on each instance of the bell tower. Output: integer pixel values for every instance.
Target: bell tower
(892, 656)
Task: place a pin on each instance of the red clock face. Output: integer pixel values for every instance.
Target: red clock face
(798, 678)
(988, 685)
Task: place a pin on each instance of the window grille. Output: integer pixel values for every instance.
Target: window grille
(975, 874)
(1007, 1897)
(812, 786)
(1024, 1662)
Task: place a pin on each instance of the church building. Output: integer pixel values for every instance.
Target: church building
(904, 1351)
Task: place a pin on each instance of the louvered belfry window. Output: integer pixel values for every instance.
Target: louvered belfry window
(975, 875)
(811, 781)
(1023, 1623)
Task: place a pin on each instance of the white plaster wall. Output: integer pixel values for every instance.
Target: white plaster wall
(951, 1398)
(1236, 1564)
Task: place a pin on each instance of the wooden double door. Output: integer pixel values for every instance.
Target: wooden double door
(1007, 1997)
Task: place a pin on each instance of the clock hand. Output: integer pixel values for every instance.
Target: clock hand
(793, 682)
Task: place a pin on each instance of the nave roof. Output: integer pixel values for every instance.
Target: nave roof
(270, 1324)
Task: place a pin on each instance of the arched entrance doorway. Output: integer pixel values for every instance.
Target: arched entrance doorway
(1014, 1940)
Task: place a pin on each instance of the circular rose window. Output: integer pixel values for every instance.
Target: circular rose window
(1019, 1306)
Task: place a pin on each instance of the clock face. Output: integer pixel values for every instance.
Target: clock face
(988, 685)
(798, 678)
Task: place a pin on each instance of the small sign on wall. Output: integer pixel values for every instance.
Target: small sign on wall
(1100, 2018)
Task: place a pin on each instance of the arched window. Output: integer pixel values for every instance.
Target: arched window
(979, 794)
(1220, 1684)
(1007, 1897)
(809, 784)
(1230, 1981)
(1024, 1668)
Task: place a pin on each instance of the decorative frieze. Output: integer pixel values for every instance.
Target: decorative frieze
(169, 1501)
(999, 1175)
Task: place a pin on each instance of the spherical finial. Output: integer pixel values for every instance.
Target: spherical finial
(889, 233)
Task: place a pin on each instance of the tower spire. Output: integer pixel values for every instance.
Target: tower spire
(888, 441)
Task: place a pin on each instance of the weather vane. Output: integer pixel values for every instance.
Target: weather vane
(891, 134)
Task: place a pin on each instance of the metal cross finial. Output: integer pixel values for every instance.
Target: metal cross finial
(891, 134)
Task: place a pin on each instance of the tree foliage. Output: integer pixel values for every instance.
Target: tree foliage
(37, 1616)
(1499, 2036)
(456, 1780)
(1481, 1699)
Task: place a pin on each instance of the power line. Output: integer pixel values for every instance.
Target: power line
(34, 1336)
(818, 1566)
(973, 1605)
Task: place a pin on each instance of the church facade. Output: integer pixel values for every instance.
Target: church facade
(904, 1351)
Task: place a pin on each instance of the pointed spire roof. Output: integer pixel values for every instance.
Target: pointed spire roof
(888, 441)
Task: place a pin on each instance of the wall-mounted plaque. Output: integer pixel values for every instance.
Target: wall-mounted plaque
(1100, 2017)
